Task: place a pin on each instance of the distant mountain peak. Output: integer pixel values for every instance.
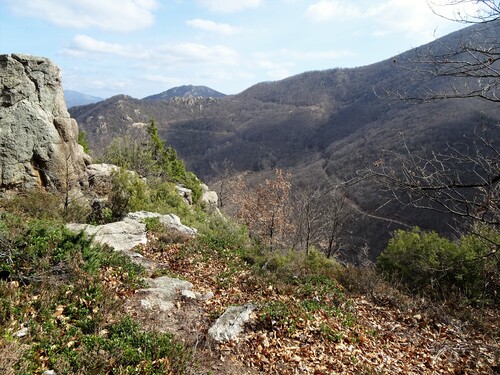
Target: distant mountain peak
(75, 98)
(186, 91)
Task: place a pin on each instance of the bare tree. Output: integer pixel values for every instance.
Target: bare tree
(464, 179)
(485, 10)
(223, 172)
(469, 69)
(266, 210)
(320, 217)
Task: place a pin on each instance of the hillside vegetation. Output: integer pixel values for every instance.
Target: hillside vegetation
(70, 306)
(67, 304)
(322, 179)
(321, 126)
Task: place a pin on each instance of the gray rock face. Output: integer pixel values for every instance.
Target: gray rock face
(231, 323)
(100, 177)
(38, 139)
(185, 193)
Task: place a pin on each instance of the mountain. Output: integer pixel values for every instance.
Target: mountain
(75, 98)
(186, 91)
(320, 125)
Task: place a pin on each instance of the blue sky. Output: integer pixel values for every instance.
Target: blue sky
(143, 47)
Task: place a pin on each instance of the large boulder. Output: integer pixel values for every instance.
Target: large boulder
(38, 139)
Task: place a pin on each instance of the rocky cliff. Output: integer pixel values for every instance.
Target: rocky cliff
(38, 139)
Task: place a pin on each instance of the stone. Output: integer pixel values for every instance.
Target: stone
(209, 197)
(231, 323)
(21, 333)
(162, 293)
(207, 296)
(100, 177)
(121, 235)
(185, 193)
(130, 232)
(187, 294)
(169, 220)
(38, 139)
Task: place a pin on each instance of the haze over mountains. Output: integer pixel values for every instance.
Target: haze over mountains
(322, 123)
(74, 98)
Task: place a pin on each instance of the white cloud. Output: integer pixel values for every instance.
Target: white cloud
(402, 16)
(169, 81)
(326, 10)
(323, 55)
(116, 15)
(268, 64)
(84, 43)
(113, 84)
(229, 6)
(266, 59)
(197, 53)
(460, 10)
(207, 25)
(386, 17)
(191, 53)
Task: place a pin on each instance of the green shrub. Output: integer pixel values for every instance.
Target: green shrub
(129, 193)
(428, 263)
(82, 141)
(191, 182)
(152, 159)
(55, 286)
(39, 248)
(224, 236)
(317, 263)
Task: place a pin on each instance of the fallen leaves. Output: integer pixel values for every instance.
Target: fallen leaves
(300, 331)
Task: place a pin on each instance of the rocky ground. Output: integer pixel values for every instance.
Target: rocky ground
(310, 326)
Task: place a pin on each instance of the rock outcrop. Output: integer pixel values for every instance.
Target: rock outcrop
(38, 139)
(130, 232)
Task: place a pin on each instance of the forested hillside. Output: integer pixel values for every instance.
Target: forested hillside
(320, 125)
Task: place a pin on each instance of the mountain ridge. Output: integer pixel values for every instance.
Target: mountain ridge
(185, 91)
(327, 123)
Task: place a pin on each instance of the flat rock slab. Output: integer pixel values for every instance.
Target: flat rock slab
(126, 234)
(162, 293)
(122, 235)
(231, 323)
(170, 221)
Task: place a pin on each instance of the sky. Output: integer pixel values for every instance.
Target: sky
(144, 47)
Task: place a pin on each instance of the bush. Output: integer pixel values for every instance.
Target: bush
(40, 204)
(68, 293)
(82, 141)
(129, 193)
(151, 158)
(430, 264)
